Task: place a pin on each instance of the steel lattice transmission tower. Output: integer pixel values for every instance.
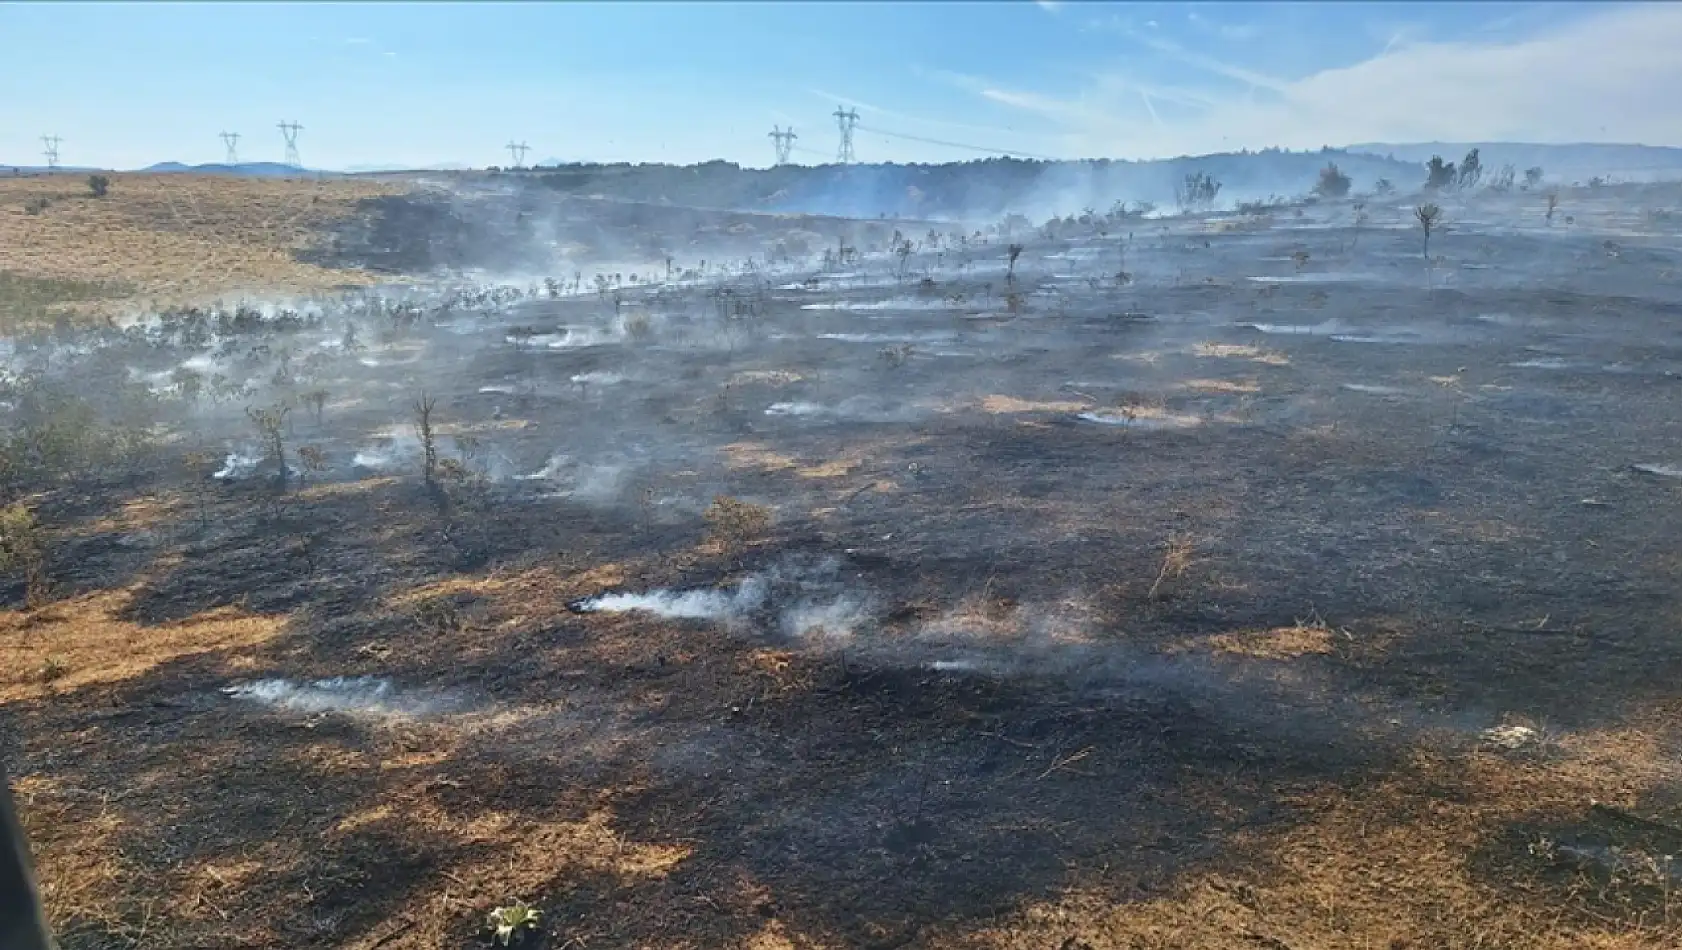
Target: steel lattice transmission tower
(50, 150)
(784, 141)
(847, 119)
(289, 131)
(231, 139)
(517, 151)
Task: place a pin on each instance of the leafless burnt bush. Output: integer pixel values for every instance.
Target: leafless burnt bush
(423, 407)
(270, 424)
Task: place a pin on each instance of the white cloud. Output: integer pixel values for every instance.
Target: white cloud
(1049, 6)
(1610, 77)
(1232, 32)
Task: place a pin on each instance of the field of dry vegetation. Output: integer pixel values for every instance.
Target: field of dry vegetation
(1294, 592)
(162, 239)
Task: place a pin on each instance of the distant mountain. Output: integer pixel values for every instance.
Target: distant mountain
(248, 169)
(1578, 162)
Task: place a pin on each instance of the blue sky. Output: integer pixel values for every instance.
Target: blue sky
(413, 84)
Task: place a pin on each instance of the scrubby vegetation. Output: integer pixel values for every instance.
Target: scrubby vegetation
(1197, 192)
(1333, 183)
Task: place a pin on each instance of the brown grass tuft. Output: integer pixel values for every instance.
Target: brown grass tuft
(1241, 351)
(86, 642)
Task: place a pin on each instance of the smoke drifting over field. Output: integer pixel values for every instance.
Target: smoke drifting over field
(863, 386)
(864, 583)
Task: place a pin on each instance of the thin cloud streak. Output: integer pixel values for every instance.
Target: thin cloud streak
(1605, 78)
(904, 117)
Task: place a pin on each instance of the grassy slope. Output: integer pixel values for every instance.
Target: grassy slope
(163, 239)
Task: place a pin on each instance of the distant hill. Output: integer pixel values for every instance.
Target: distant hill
(985, 188)
(1565, 163)
(42, 169)
(249, 169)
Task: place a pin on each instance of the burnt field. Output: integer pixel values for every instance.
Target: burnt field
(1186, 582)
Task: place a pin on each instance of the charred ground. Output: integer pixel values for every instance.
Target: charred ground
(1162, 591)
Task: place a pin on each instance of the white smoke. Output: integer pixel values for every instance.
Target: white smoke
(237, 465)
(814, 604)
(827, 622)
(402, 447)
(597, 483)
(365, 695)
(747, 597)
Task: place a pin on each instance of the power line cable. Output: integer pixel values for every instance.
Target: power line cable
(1007, 152)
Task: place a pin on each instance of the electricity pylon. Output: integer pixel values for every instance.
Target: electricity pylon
(846, 119)
(784, 142)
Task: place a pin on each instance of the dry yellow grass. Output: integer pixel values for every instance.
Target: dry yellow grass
(315, 492)
(85, 641)
(767, 377)
(1241, 351)
(1392, 865)
(141, 514)
(1230, 386)
(755, 456)
(1279, 643)
(177, 238)
(1004, 405)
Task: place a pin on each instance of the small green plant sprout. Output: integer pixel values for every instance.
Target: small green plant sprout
(1428, 215)
(511, 922)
